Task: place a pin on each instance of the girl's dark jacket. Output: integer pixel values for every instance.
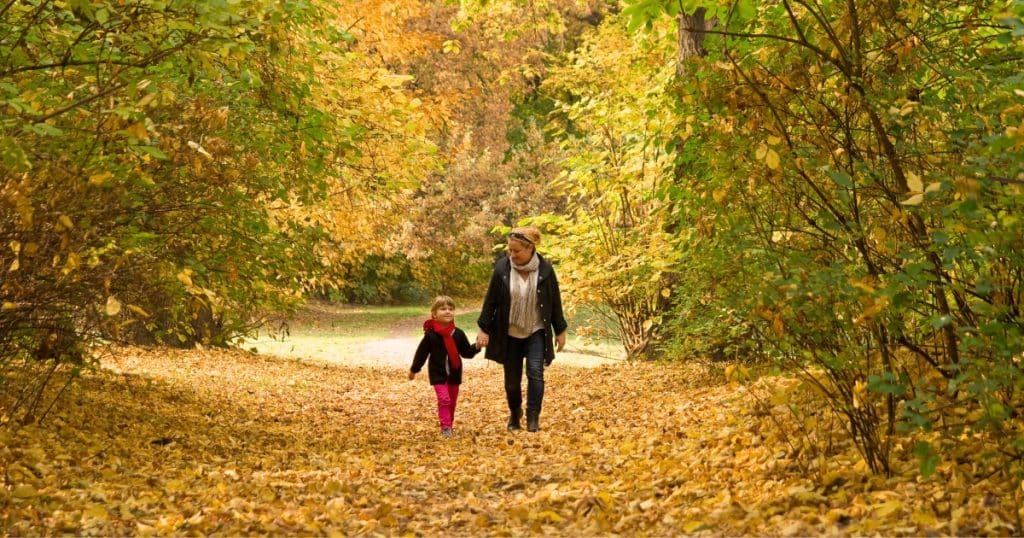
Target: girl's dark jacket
(438, 368)
(498, 303)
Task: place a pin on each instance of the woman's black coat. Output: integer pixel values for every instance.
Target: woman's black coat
(498, 303)
(439, 370)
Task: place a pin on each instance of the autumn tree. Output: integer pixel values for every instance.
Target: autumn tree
(367, 92)
(616, 121)
(877, 192)
(475, 68)
(155, 159)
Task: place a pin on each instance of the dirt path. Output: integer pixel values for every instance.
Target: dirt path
(396, 350)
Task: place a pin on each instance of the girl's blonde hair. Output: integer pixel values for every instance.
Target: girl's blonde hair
(527, 235)
(439, 301)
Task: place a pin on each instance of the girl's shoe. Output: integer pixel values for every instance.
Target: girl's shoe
(447, 433)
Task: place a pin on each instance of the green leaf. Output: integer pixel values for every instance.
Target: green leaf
(939, 322)
(927, 458)
(642, 13)
(841, 178)
(12, 156)
(46, 129)
(746, 9)
(886, 384)
(152, 152)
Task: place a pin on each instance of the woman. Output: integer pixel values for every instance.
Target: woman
(521, 313)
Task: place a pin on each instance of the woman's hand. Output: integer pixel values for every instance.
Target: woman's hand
(412, 375)
(482, 340)
(560, 341)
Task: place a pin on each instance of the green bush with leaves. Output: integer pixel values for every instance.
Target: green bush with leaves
(152, 151)
(872, 159)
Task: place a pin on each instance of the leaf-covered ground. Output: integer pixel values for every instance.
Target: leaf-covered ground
(229, 442)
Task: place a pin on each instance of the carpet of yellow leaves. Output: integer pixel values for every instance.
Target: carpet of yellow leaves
(228, 442)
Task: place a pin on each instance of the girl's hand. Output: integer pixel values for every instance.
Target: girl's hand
(412, 375)
(560, 341)
(482, 340)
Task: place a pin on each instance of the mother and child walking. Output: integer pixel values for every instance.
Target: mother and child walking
(521, 323)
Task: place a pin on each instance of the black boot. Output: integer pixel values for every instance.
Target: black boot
(532, 420)
(513, 420)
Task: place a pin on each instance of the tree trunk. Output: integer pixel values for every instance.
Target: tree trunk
(691, 37)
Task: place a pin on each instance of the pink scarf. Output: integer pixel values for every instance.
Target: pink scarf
(446, 332)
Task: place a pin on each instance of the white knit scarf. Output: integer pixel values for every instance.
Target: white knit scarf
(523, 313)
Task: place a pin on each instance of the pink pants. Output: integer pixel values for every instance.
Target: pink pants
(447, 395)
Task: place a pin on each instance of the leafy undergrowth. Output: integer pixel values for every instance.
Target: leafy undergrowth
(200, 442)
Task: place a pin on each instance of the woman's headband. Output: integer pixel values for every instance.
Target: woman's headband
(520, 237)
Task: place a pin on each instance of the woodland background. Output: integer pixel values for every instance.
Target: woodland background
(829, 192)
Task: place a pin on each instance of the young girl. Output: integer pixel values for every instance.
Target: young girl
(442, 348)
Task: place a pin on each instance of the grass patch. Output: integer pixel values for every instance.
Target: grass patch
(327, 321)
(328, 331)
(467, 322)
(592, 331)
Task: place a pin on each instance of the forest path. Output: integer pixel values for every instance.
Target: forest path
(208, 441)
(387, 338)
(231, 442)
